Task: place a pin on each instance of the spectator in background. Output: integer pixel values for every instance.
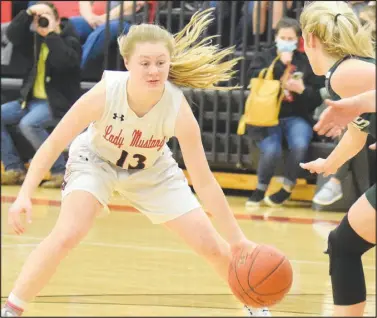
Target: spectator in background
(91, 25)
(277, 14)
(368, 15)
(357, 6)
(226, 20)
(51, 86)
(302, 96)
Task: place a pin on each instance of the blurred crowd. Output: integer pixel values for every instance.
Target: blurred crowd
(61, 37)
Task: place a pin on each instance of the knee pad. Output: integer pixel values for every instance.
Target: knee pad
(345, 248)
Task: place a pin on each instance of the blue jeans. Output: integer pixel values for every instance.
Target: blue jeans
(32, 122)
(94, 39)
(298, 133)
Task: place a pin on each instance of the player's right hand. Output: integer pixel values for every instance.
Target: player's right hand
(21, 205)
(235, 248)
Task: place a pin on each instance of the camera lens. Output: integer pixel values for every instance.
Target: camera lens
(43, 22)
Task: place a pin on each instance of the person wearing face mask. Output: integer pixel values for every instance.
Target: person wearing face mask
(302, 96)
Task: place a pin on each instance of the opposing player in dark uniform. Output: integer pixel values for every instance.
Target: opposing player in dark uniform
(340, 48)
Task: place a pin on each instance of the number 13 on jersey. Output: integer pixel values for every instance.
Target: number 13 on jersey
(138, 159)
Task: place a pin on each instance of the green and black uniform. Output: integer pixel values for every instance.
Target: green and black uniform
(366, 122)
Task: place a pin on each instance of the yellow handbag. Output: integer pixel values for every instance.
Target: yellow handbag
(263, 103)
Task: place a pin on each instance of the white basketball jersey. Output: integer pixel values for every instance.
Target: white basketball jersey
(123, 138)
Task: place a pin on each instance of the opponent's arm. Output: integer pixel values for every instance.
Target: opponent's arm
(354, 139)
(362, 103)
(366, 81)
(87, 109)
(188, 133)
(342, 112)
(349, 146)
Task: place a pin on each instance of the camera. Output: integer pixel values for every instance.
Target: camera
(43, 22)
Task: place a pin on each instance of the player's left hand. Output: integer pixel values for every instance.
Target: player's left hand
(372, 146)
(319, 166)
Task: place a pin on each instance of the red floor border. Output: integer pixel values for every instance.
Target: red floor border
(127, 208)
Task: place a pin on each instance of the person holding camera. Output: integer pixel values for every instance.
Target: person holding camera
(301, 97)
(51, 85)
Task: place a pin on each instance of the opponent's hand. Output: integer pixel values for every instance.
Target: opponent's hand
(319, 166)
(338, 114)
(21, 205)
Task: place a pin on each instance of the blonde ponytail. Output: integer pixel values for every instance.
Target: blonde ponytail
(338, 28)
(194, 64)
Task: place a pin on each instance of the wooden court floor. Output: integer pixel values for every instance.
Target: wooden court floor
(128, 267)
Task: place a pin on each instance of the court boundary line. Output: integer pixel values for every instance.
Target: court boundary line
(130, 209)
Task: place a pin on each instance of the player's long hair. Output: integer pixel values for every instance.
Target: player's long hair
(340, 35)
(195, 63)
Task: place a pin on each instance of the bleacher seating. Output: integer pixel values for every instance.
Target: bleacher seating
(217, 112)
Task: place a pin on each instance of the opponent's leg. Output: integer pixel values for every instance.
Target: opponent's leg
(346, 244)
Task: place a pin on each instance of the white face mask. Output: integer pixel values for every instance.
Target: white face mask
(286, 46)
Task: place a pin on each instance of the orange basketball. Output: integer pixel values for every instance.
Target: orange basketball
(260, 277)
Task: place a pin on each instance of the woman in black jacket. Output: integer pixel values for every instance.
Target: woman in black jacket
(295, 118)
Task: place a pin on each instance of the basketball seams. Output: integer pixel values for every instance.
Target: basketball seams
(282, 290)
(255, 252)
(248, 294)
(233, 267)
(265, 278)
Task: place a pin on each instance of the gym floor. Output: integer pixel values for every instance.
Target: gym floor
(128, 267)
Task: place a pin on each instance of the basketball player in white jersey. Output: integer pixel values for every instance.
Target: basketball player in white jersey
(131, 115)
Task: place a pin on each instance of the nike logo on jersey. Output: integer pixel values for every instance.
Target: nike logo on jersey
(145, 143)
(117, 140)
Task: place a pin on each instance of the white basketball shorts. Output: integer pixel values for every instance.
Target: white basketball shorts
(161, 192)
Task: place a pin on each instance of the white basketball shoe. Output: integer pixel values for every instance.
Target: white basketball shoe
(257, 312)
